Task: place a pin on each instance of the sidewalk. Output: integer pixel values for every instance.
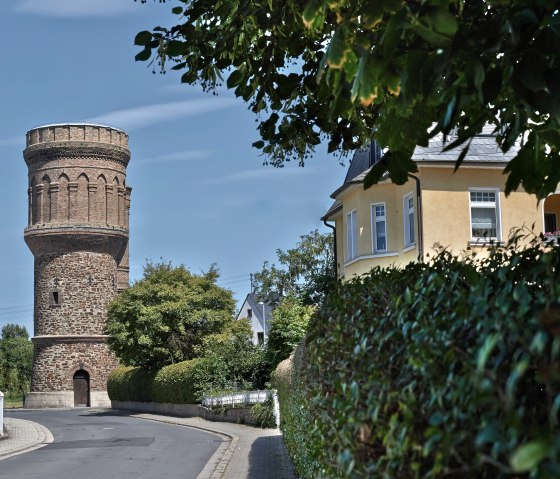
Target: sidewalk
(23, 436)
(246, 452)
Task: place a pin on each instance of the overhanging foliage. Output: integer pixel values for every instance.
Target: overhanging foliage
(348, 70)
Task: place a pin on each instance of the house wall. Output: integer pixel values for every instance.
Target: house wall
(446, 208)
(445, 215)
(361, 200)
(256, 325)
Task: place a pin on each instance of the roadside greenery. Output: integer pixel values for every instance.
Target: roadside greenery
(306, 271)
(288, 326)
(230, 362)
(342, 72)
(16, 356)
(165, 317)
(445, 369)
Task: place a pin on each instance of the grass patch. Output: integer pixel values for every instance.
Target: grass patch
(13, 402)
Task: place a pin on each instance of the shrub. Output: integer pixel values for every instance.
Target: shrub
(443, 369)
(301, 436)
(130, 384)
(288, 327)
(263, 414)
(174, 383)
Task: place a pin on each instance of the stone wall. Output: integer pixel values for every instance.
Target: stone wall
(72, 291)
(78, 232)
(56, 359)
(240, 415)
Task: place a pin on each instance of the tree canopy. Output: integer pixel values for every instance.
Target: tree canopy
(347, 71)
(16, 356)
(164, 317)
(288, 327)
(306, 271)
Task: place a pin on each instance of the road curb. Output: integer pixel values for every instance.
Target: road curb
(218, 462)
(40, 436)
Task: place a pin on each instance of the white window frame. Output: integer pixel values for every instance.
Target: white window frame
(351, 235)
(409, 239)
(489, 204)
(374, 220)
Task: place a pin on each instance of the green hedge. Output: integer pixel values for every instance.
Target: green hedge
(297, 421)
(448, 369)
(181, 383)
(130, 384)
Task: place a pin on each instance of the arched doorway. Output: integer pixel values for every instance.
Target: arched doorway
(81, 388)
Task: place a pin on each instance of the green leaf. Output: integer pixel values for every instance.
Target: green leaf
(485, 351)
(314, 14)
(529, 455)
(338, 48)
(143, 38)
(143, 55)
(177, 10)
(234, 79)
(174, 48)
(364, 87)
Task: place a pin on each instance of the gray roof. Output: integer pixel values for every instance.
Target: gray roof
(483, 149)
(336, 206)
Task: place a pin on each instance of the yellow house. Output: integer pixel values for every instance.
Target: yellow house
(395, 224)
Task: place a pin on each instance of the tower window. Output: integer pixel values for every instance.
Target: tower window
(55, 298)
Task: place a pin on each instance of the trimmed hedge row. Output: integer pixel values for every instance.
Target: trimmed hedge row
(181, 383)
(300, 433)
(447, 369)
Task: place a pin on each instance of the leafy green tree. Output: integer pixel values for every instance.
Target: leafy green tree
(288, 327)
(164, 317)
(16, 358)
(306, 271)
(245, 365)
(345, 71)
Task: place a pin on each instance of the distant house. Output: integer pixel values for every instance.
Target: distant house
(259, 315)
(395, 224)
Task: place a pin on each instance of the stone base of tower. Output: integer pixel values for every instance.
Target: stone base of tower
(63, 399)
(70, 371)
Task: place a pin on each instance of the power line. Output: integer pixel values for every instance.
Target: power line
(3, 308)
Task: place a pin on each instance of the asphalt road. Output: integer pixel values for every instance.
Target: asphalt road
(105, 444)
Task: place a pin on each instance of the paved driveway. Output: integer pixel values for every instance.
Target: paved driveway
(99, 444)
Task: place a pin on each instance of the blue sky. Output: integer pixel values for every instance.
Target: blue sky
(200, 192)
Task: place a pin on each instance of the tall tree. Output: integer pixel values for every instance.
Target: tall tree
(348, 70)
(289, 325)
(16, 357)
(306, 271)
(164, 317)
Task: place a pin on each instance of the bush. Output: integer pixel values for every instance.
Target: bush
(288, 327)
(174, 383)
(263, 414)
(443, 369)
(130, 384)
(301, 435)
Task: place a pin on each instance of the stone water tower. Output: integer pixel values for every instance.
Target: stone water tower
(78, 234)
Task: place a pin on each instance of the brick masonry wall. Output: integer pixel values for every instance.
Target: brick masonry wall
(78, 232)
(84, 283)
(56, 361)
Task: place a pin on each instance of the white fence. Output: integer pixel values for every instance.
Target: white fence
(242, 398)
(1, 413)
